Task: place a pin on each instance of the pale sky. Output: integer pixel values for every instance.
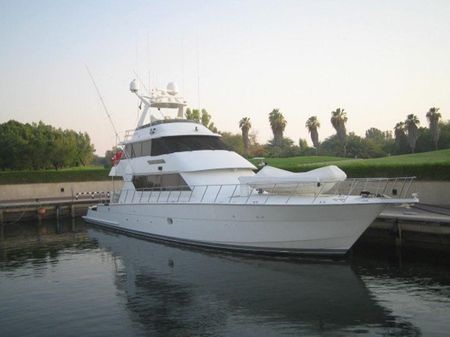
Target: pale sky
(379, 60)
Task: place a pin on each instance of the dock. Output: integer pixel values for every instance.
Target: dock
(416, 226)
(37, 209)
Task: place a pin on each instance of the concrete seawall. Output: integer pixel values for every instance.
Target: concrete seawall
(55, 190)
(433, 192)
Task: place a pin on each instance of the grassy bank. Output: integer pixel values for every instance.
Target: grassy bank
(54, 176)
(433, 165)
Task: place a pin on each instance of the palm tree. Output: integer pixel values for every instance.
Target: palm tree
(312, 124)
(278, 124)
(399, 132)
(411, 124)
(245, 126)
(338, 120)
(433, 117)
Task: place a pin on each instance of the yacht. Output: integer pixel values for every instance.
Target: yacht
(181, 184)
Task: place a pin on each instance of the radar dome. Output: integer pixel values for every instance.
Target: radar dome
(172, 88)
(134, 86)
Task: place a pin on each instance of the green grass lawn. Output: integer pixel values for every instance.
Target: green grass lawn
(433, 165)
(88, 173)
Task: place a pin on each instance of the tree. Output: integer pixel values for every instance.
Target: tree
(399, 132)
(302, 144)
(193, 115)
(411, 125)
(312, 124)
(375, 135)
(284, 149)
(378, 143)
(245, 126)
(278, 124)
(233, 142)
(338, 120)
(206, 118)
(84, 148)
(433, 117)
(202, 117)
(41, 146)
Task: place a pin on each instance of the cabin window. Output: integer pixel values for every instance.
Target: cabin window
(165, 182)
(138, 149)
(146, 148)
(167, 145)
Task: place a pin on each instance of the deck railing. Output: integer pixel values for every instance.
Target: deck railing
(310, 192)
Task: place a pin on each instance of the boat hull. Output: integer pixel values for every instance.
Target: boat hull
(281, 229)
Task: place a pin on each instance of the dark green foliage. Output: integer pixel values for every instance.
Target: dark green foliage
(444, 137)
(40, 146)
(233, 142)
(284, 147)
(204, 117)
(54, 176)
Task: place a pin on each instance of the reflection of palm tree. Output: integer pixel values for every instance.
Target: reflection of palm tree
(399, 132)
(411, 124)
(338, 120)
(312, 124)
(433, 117)
(245, 126)
(278, 124)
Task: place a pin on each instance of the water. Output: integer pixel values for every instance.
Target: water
(73, 279)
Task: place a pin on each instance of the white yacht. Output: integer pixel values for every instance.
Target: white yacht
(181, 184)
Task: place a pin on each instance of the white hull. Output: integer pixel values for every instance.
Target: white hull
(306, 229)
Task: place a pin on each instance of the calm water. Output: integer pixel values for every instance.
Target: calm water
(72, 279)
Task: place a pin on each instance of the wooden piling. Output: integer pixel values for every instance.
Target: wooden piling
(398, 239)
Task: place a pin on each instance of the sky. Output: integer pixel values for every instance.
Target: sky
(379, 60)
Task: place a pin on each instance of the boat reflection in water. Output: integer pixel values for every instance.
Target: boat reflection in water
(181, 291)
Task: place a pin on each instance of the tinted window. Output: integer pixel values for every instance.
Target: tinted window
(138, 149)
(165, 182)
(146, 147)
(167, 145)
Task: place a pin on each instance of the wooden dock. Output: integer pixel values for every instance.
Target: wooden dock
(417, 226)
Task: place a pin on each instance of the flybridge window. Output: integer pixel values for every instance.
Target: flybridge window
(167, 145)
(165, 182)
(139, 149)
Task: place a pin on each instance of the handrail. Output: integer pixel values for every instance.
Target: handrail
(285, 193)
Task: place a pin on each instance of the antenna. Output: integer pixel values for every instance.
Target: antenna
(109, 116)
(104, 105)
(141, 82)
(198, 77)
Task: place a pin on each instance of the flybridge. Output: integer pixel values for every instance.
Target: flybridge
(160, 99)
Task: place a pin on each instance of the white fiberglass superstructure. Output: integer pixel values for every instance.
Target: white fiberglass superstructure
(181, 184)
